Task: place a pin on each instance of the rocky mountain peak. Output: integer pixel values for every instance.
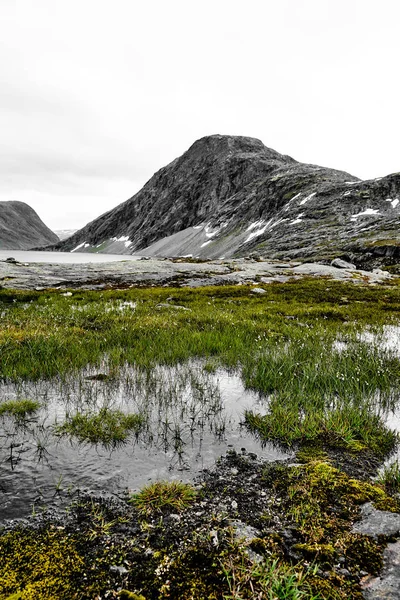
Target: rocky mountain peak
(231, 195)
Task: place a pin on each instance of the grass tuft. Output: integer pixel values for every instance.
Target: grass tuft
(19, 409)
(108, 427)
(390, 477)
(160, 495)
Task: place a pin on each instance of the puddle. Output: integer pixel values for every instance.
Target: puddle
(193, 417)
(388, 339)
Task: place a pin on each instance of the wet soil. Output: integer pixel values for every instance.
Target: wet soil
(240, 514)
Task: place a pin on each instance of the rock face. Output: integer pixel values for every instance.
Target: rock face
(21, 228)
(232, 196)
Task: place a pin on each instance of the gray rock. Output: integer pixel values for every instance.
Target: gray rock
(387, 586)
(258, 291)
(342, 264)
(377, 522)
(243, 531)
(121, 570)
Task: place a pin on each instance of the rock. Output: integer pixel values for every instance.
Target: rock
(121, 570)
(258, 290)
(173, 306)
(245, 532)
(387, 586)
(381, 274)
(377, 522)
(342, 264)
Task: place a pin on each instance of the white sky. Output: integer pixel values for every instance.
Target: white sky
(97, 95)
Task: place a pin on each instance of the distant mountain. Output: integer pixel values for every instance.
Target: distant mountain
(63, 234)
(21, 228)
(232, 196)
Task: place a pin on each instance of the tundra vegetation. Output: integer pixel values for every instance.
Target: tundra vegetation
(314, 349)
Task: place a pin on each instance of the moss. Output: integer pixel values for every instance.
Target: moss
(317, 551)
(38, 565)
(126, 595)
(363, 553)
(311, 453)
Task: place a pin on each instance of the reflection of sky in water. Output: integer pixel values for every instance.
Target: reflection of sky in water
(194, 417)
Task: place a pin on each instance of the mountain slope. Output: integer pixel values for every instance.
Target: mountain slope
(21, 227)
(229, 196)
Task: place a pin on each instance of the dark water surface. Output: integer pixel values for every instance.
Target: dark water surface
(193, 418)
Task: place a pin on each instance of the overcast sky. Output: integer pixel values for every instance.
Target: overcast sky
(97, 95)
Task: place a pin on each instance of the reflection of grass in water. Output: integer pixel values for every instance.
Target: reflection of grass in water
(108, 427)
(19, 409)
(283, 341)
(155, 497)
(346, 426)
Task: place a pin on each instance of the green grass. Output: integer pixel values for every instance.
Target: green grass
(19, 409)
(283, 343)
(390, 477)
(161, 495)
(107, 427)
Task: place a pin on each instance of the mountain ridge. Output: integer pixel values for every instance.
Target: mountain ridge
(229, 196)
(21, 228)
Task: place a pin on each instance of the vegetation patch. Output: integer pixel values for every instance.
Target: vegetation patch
(107, 427)
(161, 495)
(249, 529)
(19, 409)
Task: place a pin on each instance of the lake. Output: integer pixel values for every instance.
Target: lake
(29, 256)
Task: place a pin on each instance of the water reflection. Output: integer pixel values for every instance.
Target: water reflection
(192, 416)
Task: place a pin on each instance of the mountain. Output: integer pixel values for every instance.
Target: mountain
(21, 227)
(63, 234)
(232, 196)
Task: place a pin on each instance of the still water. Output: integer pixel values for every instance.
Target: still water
(192, 417)
(27, 256)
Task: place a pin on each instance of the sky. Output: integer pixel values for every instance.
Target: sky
(97, 95)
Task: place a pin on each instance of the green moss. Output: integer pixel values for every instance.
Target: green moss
(126, 595)
(38, 565)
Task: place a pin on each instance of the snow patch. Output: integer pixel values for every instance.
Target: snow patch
(297, 220)
(123, 238)
(258, 232)
(206, 243)
(198, 227)
(210, 233)
(307, 199)
(347, 193)
(352, 182)
(367, 211)
(83, 245)
(394, 202)
(296, 196)
(255, 224)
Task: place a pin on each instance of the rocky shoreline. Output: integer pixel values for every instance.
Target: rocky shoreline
(172, 272)
(244, 513)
